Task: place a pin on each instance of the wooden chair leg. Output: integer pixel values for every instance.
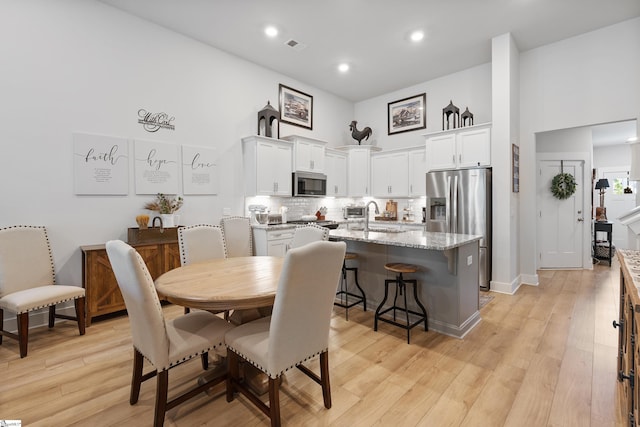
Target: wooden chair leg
(52, 315)
(80, 315)
(234, 374)
(161, 398)
(187, 310)
(1, 324)
(324, 379)
(274, 401)
(204, 357)
(23, 333)
(136, 378)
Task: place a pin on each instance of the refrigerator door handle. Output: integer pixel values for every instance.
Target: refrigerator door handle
(448, 207)
(454, 207)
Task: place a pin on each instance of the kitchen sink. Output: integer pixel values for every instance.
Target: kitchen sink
(380, 229)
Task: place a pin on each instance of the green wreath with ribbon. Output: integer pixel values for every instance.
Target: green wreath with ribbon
(563, 186)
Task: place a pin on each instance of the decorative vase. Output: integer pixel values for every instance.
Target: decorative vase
(168, 220)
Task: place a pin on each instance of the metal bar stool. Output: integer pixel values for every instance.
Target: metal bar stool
(344, 293)
(401, 284)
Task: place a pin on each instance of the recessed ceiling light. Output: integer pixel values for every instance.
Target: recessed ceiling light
(271, 31)
(416, 36)
(343, 68)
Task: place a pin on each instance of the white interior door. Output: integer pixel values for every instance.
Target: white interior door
(561, 223)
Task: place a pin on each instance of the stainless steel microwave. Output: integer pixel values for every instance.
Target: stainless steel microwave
(309, 184)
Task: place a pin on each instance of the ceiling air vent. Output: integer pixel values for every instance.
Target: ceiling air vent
(295, 45)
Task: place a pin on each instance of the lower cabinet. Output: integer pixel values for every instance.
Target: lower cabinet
(272, 242)
(628, 347)
(102, 293)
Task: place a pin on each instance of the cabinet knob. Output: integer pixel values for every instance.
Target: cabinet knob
(622, 376)
(618, 324)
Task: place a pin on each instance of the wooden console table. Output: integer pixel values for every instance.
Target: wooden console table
(102, 293)
(605, 227)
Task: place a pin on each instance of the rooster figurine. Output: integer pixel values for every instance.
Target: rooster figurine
(359, 135)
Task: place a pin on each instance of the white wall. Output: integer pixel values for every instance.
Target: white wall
(468, 88)
(82, 66)
(589, 79)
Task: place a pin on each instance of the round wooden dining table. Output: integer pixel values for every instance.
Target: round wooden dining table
(238, 283)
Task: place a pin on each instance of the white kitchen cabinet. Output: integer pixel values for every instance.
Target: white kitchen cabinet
(417, 172)
(459, 148)
(358, 169)
(308, 153)
(390, 174)
(336, 170)
(272, 242)
(267, 166)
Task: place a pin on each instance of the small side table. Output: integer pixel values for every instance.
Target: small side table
(606, 227)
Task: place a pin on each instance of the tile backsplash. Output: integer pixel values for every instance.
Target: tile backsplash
(298, 206)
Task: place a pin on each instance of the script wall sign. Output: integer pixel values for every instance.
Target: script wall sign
(152, 122)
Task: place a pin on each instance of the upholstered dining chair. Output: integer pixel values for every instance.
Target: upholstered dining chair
(28, 283)
(304, 234)
(199, 243)
(298, 328)
(237, 236)
(164, 343)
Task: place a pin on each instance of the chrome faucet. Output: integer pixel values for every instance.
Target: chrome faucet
(153, 223)
(366, 214)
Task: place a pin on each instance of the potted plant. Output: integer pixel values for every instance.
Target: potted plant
(166, 206)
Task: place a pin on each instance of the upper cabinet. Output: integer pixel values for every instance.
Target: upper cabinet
(309, 153)
(267, 166)
(459, 148)
(390, 174)
(358, 169)
(417, 172)
(336, 170)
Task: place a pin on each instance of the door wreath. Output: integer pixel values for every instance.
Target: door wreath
(563, 186)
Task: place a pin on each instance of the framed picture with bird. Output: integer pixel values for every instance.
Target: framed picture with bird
(296, 108)
(407, 114)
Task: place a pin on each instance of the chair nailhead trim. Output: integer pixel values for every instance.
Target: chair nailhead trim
(48, 305)
(245, 357)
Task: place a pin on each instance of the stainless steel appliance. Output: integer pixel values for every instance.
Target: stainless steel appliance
(309, 184)
(353, 212)
(459, 201)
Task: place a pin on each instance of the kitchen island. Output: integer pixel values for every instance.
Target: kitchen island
(447, 280)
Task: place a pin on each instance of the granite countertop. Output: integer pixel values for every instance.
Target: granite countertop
(411, 238)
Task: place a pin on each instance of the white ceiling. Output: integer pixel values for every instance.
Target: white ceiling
(372, 35)
(613, 133)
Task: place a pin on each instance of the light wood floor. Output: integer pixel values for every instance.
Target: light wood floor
(543, 357)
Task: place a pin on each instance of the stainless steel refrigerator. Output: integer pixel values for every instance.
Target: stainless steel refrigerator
(459, 201)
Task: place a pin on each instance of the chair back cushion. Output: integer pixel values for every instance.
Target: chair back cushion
(148, 329)
(25, 259)
(200, 243)
(302, 309)
(237, 236)
(305, 234)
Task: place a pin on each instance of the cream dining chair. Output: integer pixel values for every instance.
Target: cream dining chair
(237, 236)
(199, 243)
(164, 343)
(28, 283)
(297, 330)
(305, 234)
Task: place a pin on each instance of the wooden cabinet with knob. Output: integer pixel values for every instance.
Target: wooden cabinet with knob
(102, 293)
(628, 347)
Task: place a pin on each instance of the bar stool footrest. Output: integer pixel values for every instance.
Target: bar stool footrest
(421, 318)
(357, 299)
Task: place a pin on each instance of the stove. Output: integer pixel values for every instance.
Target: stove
(327, 224)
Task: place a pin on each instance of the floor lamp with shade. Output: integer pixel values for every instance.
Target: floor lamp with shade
(601, 211)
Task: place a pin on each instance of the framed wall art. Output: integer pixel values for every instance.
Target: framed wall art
(296, 108)
(199, 170)
(101, 165)
(515, 168)
(407, 114)
(156, 167)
